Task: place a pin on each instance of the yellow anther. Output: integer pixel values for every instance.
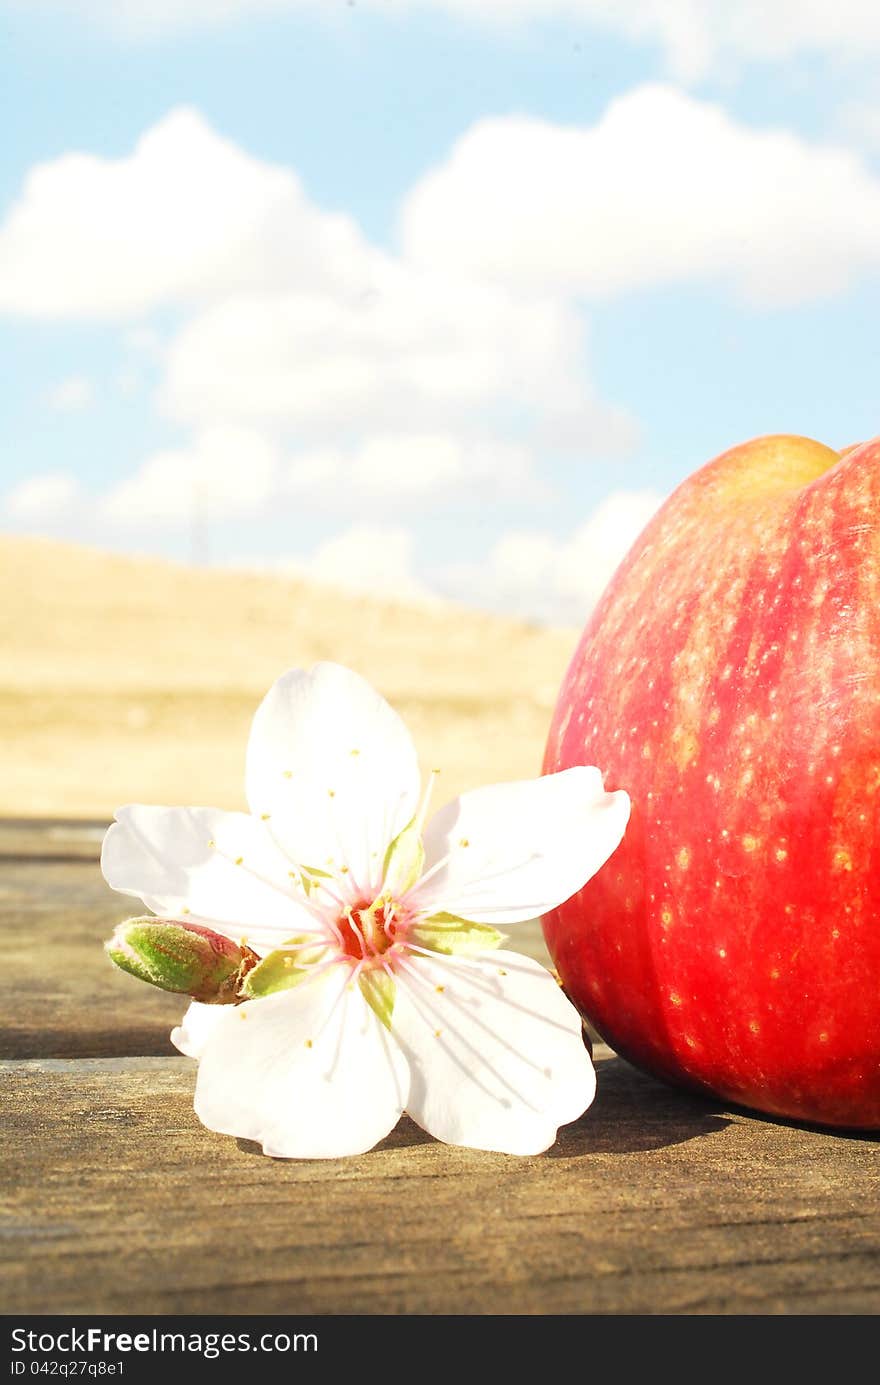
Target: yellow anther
(332, 793)
(288, 774)
(464, 842)
(437, 1033)
(238, 860)
(288, 962)
(212, 843)
(441, 989)
(343, 870)
(501, 972)
(242, 1013)
(355, 751)
(185, 909)
(309, 1043)
(264, 817)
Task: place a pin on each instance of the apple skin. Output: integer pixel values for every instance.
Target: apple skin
(729, 679)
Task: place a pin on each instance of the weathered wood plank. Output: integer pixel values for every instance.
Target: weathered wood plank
(655, 1202)
(70, 1001)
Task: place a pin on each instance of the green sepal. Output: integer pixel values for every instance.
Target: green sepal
(378, 990)
(404, 860)
(279, 971)
(448, 934)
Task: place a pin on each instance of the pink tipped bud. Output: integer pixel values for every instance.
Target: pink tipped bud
(183, 957)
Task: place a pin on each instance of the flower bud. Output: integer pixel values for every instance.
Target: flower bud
(183, 957)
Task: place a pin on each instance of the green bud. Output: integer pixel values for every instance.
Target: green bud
(183, 957)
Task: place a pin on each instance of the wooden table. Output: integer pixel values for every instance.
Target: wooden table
(115, 1200)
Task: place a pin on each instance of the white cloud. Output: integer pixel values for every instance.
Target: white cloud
(664, 189)
(529, 574)
(143, 340)
(292, 320)
(533, 574)
(375, 559)
(369, 559)
(859, 123)
(140, 19)
(226, 473)
(696, 36)
(421, 352)
(399, 470)
(76, 392)
(42, 498)
(231, 472)
(185, 217)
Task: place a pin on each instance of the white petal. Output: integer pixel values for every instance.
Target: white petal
(310, 1073)
(518, 850)
(183, 861)
(335, 768)
(497, 1060)
(195, 1029)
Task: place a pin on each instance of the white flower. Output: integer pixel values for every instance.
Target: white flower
(381, 989)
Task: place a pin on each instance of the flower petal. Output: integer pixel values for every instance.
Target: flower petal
(336, 770)
(496, 1053)
(517, 850)
(196, 1028)
(309, 1073)
(219, 867)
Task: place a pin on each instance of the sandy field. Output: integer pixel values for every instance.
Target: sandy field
(131, 679)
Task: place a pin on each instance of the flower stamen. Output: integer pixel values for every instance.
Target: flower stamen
(369, 930)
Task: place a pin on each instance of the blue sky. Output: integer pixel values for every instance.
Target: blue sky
(408, 298)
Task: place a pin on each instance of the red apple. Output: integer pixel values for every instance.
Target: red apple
(730, 680)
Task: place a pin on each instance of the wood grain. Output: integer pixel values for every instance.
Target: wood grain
(69, 999)
(116, 1200)
(654, 1202)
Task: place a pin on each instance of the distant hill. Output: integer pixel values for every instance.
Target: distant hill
(130, 678)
